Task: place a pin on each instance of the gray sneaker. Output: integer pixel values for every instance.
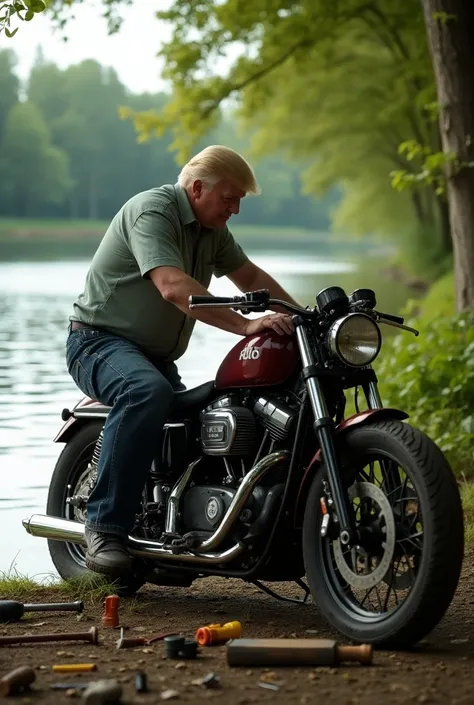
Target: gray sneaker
(106, 553)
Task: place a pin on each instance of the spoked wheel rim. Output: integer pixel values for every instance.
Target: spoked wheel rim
(371, 581)
(79, 481)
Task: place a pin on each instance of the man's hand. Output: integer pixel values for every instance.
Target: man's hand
(281, 323)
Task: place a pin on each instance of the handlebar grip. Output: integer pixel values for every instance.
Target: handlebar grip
(394, 319)
(199, 300)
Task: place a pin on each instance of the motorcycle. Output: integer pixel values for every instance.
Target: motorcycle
(261, 476)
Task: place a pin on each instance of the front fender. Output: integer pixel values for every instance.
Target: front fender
(72, 423)
(363, 417)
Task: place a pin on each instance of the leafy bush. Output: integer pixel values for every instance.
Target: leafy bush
(431, 377)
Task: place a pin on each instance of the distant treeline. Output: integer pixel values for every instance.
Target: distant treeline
(65, 152)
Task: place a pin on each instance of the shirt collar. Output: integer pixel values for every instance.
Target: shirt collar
(186, 212)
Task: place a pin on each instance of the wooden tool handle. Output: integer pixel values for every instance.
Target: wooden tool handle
(17, 680)
(362, 654)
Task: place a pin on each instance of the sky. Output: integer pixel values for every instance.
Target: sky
(132, 52)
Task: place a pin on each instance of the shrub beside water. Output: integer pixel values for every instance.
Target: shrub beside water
(431, 377)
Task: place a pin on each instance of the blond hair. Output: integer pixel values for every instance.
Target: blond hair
(215, 163)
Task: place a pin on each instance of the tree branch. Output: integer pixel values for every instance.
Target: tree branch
(256, 76)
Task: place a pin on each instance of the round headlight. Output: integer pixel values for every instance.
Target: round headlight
(355, 339)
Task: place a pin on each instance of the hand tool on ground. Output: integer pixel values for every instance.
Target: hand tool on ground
(102, 692)
(218, 633)
(74, 667)
(294, 652)
(91, 636)
(126, 642)
(111, 617)
(17, 680)
(13, 611)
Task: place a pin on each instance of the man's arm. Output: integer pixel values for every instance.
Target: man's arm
(250, 277)
(176, 287)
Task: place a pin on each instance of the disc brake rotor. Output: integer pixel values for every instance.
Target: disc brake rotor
(366, 490)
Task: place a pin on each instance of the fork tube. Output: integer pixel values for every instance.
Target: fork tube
(324, 429)
(372, 395)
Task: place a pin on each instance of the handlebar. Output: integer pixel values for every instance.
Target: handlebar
(260, 301)
(251, 301)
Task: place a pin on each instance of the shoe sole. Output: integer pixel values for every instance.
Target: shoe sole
(107, 570)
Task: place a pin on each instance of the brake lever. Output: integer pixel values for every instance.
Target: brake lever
(381, 319)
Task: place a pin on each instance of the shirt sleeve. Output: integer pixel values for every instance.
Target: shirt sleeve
(229, 256)
(153, 243)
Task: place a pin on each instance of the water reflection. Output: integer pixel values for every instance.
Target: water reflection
(35, 302)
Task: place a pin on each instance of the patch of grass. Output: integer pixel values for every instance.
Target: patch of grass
(14, 586)
(467, 496)
(91, 588)
(440, 300)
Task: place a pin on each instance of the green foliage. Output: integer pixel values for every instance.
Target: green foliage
(439, 302)
(33, 171)
(338, 86)
(434, 169)
(76, 112)
(432, 378)
(23, 10)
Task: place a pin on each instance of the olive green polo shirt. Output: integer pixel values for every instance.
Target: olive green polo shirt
(154, 228)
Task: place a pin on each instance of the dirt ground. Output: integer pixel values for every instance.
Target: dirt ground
(440, 670)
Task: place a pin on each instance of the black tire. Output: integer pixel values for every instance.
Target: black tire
(68, 558)
(439, 567)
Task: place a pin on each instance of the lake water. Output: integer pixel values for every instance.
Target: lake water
(35, 302)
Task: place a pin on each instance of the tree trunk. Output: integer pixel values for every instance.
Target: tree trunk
(452, 50)
(445, 226)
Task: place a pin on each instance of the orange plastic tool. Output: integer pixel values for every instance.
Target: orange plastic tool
(218, 634)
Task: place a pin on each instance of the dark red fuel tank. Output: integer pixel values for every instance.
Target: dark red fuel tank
(259, 361)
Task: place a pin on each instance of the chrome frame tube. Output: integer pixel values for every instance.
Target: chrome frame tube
(175, 496)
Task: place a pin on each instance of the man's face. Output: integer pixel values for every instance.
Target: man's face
(213, 207)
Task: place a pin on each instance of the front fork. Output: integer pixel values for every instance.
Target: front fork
(324, 428)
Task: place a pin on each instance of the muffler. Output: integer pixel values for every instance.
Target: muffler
(73, 531)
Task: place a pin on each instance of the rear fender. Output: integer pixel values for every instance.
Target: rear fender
(359, 419)
(73, 424)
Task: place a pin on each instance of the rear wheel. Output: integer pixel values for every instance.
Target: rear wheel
(395, 586)
(71, 478)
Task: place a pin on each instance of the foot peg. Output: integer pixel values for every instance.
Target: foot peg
(188, 542)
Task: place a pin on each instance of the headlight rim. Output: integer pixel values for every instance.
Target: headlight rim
(333, 338)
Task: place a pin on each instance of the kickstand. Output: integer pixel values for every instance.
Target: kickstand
(296, 600)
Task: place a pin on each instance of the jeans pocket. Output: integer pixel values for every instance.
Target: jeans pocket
(81, 378)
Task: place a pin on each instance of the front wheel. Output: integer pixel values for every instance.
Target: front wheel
(394, 586)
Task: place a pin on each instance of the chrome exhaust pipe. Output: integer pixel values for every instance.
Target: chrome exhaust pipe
(73, 531)
(59, 529)
(241, 498)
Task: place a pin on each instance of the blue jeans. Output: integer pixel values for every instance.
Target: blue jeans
(140, 391)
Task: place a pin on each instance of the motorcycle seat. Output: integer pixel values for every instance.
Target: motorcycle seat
(189, 398)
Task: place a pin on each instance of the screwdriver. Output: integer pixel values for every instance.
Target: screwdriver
(13, 611)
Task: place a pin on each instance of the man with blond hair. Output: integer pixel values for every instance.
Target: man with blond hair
(132, 321)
